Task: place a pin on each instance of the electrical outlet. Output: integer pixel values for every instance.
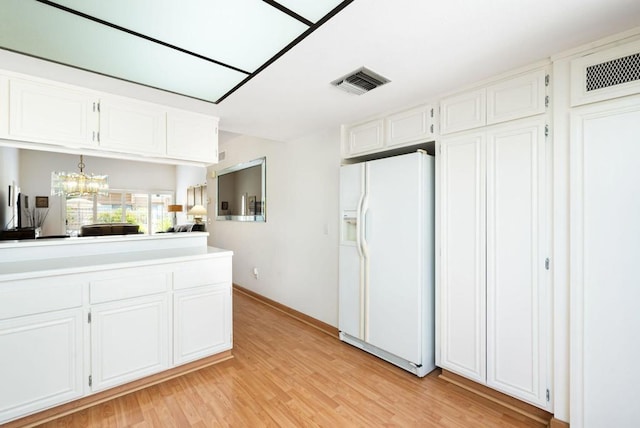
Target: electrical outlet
(255, 272)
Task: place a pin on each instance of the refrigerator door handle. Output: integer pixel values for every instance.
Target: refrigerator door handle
(364, 225)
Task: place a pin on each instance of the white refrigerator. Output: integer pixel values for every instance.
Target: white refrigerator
(386, 268)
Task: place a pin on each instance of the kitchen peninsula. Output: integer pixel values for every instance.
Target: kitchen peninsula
(85, 319)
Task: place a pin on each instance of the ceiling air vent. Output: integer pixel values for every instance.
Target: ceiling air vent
(360, 81)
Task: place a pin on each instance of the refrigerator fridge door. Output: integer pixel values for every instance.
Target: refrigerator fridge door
(396, 230)
(351, 265)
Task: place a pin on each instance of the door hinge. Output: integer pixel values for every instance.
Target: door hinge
(547, 262)
(98, 106)
(546, 101)
(431, 128)
(547, 79)
(546, 130)
(548, 395)
(90, 380)
(432, 113)
(89, 318)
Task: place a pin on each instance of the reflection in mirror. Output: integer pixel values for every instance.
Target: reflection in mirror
(242, 192)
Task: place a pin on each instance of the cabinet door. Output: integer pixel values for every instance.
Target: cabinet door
(192, 136)
(516, 250)
(364, 138)
(462, 112)
(41, 360)
(461, 280)
(516, 98)
(412, 126)
(202, 322)
(51, 114)
(605, 209)
(132, 127)
(129, 340)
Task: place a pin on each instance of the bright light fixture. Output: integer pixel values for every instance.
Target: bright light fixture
(73, 184)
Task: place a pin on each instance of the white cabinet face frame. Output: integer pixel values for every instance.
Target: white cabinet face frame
(463, 112)
(517, 332)
(461, 285)
(47, 113)
(604, 271)
(48, 369)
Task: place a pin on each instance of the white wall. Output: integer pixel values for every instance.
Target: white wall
(9, 174)
(35, 178)
(296, 250)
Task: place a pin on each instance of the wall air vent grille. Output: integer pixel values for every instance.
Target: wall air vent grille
(614, 72)
(360, 81)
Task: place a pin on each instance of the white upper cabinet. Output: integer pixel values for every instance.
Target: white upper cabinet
(409, 126)
(516, 98)
(192, 136)
(462, 112)
(509, 99)
(397, 130)
(39, 112)
(364, 138)
(132, 126)
(50, 114)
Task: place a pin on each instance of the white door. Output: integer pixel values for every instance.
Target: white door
(461, 284)
(605, 244)
(516, 251)
(365, 138)
(41, 362)
(395, 240)
(201, 324)
(51, 114)
(132, 127)
(192, 136)
(351, 264)
(129, 340)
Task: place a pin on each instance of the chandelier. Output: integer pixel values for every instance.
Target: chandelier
(72, 184)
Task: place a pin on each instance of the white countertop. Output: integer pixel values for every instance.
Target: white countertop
(21, 243)
(11, 271)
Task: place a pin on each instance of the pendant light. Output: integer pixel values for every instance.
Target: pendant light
(73, 184)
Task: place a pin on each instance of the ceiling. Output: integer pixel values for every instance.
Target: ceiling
(426, 48)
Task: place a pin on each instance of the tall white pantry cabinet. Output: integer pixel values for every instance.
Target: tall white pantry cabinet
(491, 287)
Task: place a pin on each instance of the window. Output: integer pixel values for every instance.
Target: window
(147, 210)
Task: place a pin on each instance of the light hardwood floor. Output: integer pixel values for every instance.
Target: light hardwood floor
(286, 373)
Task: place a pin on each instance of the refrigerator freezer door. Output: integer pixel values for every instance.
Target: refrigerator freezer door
(351, 266)
(397, 226)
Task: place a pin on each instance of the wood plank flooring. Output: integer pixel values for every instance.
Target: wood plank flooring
(288, 374)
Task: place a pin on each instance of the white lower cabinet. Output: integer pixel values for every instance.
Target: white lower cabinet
(493, 307)
(129, 340)
(41, 361)
(201, 318)
(64, 337)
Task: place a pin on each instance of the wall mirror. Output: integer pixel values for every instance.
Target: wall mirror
(242, 192)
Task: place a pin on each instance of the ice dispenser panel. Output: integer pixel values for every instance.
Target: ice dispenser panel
(349, 226)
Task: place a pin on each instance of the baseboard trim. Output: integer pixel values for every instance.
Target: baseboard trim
(557, 423)
(118, 391)
(322, 326)
(524, 409)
